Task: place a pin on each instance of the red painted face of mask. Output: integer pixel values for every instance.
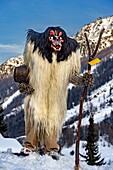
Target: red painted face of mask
(56, 40)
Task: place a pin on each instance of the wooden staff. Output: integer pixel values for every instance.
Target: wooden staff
(91, 57)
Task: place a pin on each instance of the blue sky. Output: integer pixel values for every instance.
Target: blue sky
(17, 16)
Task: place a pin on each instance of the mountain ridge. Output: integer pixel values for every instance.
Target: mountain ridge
(92, 30)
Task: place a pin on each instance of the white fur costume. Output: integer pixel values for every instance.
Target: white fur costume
(46, 107)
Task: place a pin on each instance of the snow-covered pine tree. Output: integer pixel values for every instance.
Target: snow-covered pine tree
(92, 156)
(3, 126)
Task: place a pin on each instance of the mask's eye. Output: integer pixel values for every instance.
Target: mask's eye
(51, 38)
(61, 39)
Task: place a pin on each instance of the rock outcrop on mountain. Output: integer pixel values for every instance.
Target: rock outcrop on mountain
(7, 67)
(93, 30)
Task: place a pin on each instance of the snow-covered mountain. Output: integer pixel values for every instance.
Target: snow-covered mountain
(93, 30)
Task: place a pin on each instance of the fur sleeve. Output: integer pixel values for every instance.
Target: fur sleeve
(75, 77)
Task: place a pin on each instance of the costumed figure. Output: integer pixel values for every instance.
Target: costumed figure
(52, 61)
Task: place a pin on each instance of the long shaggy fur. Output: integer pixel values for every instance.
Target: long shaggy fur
(49, 76)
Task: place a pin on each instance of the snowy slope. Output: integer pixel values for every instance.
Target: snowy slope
(9, 143)
(9, 161)
(97, 98)
(10, 99)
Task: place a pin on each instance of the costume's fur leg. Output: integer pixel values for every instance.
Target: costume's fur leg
(31, 140)
(50, 142)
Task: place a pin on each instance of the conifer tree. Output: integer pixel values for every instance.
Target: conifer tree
(92, 156)
(3, 126)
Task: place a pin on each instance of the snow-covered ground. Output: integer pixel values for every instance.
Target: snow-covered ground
(9, 143)
(8, 161)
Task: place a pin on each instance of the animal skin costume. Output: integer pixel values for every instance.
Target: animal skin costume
(53, 61)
